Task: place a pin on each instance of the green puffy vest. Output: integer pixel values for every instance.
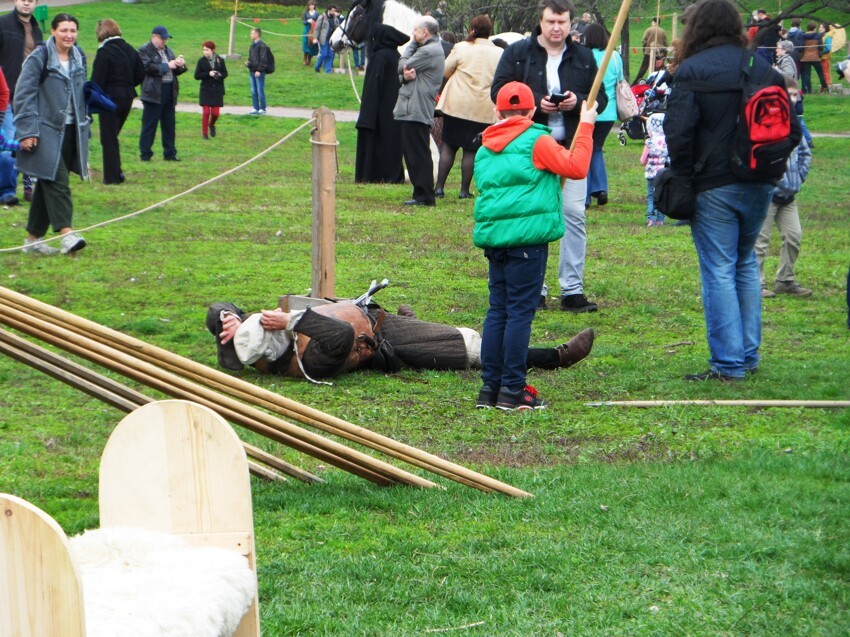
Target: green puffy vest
(519, 205)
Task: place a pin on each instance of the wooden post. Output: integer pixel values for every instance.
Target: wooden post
(232, 39)
(324, 202)
(674, 29)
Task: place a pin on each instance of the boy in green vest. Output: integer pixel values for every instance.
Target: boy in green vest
(517, 215)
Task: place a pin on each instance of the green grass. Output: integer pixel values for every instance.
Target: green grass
(719, 520)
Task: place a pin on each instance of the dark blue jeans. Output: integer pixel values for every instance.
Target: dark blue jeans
(161, 115)
(258, 92)
(516, 276)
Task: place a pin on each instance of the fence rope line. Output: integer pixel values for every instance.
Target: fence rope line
(283, 35)
(351, 77)
(178, 195)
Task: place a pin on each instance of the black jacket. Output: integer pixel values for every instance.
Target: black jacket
(525, 61)
(155, 68)
(696, 118)
(258, 57)
(117, 69)
(12, 47)
(211, 92)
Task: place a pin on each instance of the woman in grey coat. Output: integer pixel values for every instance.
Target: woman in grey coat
(53, 129)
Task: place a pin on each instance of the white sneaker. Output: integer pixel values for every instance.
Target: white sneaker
(254, 111)
(40, 248)
(262, 111)
(72, 242)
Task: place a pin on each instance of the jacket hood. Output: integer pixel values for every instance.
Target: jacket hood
(499, 135)
(382, 36)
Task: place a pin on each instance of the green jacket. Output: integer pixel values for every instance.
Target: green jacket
(519, 204)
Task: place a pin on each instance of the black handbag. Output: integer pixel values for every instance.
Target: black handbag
(674, 194)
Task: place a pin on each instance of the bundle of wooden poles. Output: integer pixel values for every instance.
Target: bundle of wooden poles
(236, 400)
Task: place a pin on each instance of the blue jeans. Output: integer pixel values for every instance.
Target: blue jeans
(516, 276)
(8, 172)
(326, 57)
(725, 228)
(258, 91)
(359, 55)
(651, 213)
(597, 175)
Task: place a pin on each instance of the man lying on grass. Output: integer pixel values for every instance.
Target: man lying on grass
(332, 339)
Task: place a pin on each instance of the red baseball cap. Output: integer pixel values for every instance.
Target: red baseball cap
(515, 96)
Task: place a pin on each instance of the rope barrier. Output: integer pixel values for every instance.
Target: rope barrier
(182, 194)
(283, 35)
(351, 77)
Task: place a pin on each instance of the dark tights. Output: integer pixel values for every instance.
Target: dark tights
(447, 160)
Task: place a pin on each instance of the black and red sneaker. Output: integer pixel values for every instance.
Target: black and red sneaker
(526, 398)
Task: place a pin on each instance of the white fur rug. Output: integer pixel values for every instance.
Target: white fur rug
(139, 583)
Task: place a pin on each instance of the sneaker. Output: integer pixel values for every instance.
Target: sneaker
(576, 349)
(9, 200)
(791, 287)
(254, 111)
(487, 398)
(541, 304)
(710, 374)
(527, 398)
(767, 294)
(41, 248)
(577, 303)
(262, 111)
(212, 130)
(650, 223)
(72, 242)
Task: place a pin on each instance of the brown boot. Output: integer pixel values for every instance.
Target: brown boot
(576, 349)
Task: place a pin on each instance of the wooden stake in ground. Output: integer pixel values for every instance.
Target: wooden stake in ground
(603, 66)
(324, 143)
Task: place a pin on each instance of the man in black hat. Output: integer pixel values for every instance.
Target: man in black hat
(159, 94)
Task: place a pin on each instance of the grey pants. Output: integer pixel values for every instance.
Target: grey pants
(787, 219)
(51, 200)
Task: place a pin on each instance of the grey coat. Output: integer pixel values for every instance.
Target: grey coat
(40, 110)
(417, 99)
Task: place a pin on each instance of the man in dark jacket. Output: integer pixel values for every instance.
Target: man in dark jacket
(19, 35)
(159, 94)
(259, 58)
(559, 88)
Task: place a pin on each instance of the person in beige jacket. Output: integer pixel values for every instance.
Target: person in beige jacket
(465, 101)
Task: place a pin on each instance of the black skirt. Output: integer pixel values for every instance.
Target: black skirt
(462, 133)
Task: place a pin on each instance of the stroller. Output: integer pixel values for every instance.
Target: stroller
(651, 97)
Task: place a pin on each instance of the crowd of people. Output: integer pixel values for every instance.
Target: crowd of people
(514, 110)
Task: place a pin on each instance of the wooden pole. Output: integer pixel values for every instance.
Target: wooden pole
(114, 394)
(606, 58)
(822, 404)
(232, 39)
(248, 392)
(249, 417)
(324, 202)
(674, 29)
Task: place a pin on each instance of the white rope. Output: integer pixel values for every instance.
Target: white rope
(177, 196)
(265, 31)
(351, 77)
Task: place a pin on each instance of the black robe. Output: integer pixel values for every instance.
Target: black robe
(378, 134)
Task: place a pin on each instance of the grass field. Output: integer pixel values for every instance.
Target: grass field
(664, 521)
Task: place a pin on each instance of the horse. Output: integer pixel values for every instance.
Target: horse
(354, 29)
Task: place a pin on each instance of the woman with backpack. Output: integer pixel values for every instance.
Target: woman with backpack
(702, 135)
(211, 71)
(53, 129)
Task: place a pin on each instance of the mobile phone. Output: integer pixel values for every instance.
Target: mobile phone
(557, 98)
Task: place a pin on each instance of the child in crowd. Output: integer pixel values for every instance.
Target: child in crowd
(517, 214)
(783, 211)
(654, 158)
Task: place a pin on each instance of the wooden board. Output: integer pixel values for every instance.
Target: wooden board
(177, 467)
(40, 591)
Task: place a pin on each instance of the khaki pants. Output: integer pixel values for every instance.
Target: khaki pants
(787, 219)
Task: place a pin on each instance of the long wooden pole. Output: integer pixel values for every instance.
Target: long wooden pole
(252, 418)
(606, 59)
(63, 370)
(822, 404)
(249, 392)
